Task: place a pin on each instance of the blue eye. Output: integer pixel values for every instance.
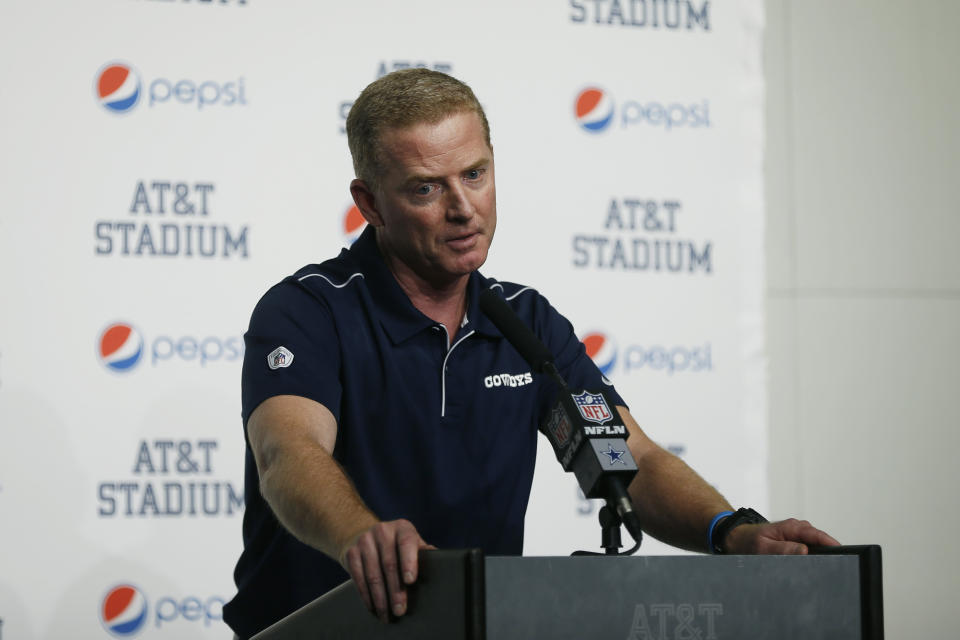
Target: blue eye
(474, 174)
(424, 190)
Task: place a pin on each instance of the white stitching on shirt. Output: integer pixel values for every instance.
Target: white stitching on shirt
(514, 295)
(443, 375)
(320, 275)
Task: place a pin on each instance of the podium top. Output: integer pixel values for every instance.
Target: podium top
(835, 594)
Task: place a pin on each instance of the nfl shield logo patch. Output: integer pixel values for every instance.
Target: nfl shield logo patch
(279, 358)
(593, 407)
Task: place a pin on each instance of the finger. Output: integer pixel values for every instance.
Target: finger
(374, 576)
(827, 539)
(818, 537)
(803, 531)
(770, 546)
(815, 536)
(387, 546)
(355, 567)
(409, 543)
(795, 549)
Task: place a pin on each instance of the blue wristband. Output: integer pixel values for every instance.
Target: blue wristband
(713, 525)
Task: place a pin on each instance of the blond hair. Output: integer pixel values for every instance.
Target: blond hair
(402, 99)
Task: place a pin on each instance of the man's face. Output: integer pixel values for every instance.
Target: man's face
(435, 204)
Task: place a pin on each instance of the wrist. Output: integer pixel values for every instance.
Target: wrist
(711, 530)
(724, 524)
(349, 537)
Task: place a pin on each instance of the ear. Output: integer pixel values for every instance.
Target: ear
(366, 202)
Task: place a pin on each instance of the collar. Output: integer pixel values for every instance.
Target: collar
(477, 319)
(399, 318)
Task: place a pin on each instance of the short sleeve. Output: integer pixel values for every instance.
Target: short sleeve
(291, 348)
(573, 363)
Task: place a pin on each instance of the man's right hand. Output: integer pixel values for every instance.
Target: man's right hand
(292, 439)
(382, 560)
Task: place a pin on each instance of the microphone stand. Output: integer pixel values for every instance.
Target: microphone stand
(609, 534)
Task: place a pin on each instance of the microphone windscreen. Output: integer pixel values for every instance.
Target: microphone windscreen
(514, 330)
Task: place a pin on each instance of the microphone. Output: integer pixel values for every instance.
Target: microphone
(585, 429)
(516, 332)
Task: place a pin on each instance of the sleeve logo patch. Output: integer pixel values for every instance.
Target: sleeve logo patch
(592, 407)
(279, 358)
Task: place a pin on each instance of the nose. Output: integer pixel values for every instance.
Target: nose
(459, 206)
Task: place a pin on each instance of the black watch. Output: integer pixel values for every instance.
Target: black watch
(743, 515)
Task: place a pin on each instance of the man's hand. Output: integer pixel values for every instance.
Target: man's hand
(787, 537)
(382, 561)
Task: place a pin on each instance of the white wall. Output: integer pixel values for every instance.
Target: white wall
(863, 294)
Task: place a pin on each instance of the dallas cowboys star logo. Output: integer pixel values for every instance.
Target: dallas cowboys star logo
(614, 455)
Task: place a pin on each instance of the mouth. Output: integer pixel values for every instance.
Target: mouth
(464, 241)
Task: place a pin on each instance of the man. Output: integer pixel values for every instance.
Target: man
(370, 433)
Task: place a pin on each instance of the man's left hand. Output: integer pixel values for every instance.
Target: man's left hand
(787, 537)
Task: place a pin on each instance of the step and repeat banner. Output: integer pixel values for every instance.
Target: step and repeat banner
(163, 162)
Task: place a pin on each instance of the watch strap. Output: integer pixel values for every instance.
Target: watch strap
(718, 534)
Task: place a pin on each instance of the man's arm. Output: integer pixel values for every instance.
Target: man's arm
(676, 506)
(292, 439)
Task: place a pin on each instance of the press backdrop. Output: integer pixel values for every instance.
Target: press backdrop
(162, 163)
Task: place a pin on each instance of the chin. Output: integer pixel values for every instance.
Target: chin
(463, 267)
(476, 260)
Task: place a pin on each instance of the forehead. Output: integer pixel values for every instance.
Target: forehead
(454, 143)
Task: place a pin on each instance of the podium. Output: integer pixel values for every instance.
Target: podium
(834, 593)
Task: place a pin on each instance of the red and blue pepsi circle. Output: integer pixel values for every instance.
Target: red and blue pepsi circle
(120, 347)
(353, 224)
(123, 611)
(117, 87)
(602, 350)
(593, 109)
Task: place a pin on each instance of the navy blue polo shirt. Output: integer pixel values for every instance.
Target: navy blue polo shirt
(439, 431)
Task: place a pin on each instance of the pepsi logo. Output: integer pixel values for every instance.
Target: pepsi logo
(118, 87)
(353, 225)
(593, 109)
(120, 347)
(124, 611)
(602, 350)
